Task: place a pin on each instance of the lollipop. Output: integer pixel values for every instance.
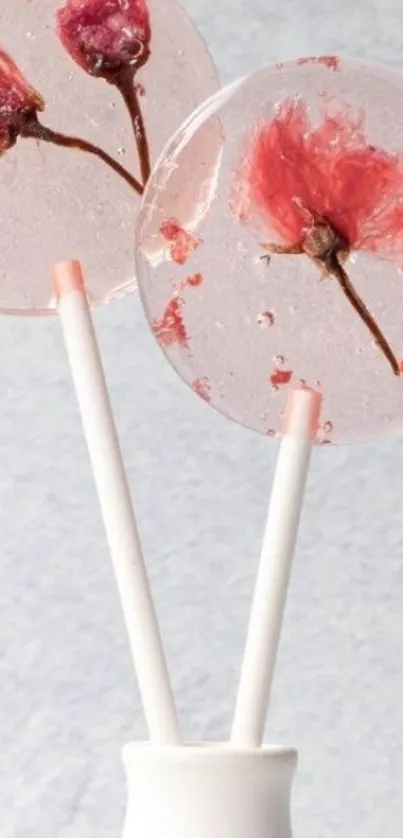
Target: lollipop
(89, 93)
(281, 308)
(293, 275)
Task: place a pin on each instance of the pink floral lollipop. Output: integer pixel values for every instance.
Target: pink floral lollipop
(294, 274)
(90, 91)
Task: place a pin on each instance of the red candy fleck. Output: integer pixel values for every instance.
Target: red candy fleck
(280, 377)
(202, 387)
(170, 329)
(103, 36)
(330, 61)
(293, 165)
(194, 281)
(182, 243)
(17, 100)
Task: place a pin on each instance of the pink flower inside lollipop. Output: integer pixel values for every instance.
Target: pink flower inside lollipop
(20, 106)
(18, 102)
(110, 39)
(325, 192)
(104, 35)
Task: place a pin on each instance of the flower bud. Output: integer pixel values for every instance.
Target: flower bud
(18, 102)
(105, 36)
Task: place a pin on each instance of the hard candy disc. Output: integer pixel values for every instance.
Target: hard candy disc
(319, 139)
(58, 203)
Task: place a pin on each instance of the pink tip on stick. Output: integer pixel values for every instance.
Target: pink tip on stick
(67, 277)
(116, 505)
(301, 421)
(302, 413)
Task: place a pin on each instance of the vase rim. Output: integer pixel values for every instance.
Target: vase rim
(207, 750)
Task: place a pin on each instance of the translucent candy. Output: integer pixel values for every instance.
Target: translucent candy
(60, 203)
(318, 139)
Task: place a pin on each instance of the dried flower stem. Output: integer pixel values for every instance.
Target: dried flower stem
(358, 304)
(328, 250)
(31, 127)
(124, 81)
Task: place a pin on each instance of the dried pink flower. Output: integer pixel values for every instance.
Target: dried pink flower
(20, 105)
(18, 101)
(325, 191)
(103, 36)
(110, 39)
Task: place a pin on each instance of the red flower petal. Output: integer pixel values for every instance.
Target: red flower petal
(202, 387)
(104, 35)
(279, 378)
(182, 243)
(170, 329)
(331, 62)
(17, 97)
(329, 170)
(194, 281)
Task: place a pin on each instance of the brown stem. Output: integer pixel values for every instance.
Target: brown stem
(33, 129)
(125, 84)
(283, 249)
(328, 250)
(335, 268)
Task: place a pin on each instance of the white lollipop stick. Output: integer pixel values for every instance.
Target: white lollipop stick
(117, 510)
(301, 422)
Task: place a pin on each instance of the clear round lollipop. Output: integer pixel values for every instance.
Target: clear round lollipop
(89, 94)
(293, 274)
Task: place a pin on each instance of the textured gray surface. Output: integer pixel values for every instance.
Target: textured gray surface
(67, 695)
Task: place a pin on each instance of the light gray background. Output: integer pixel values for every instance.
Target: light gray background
(68, 700)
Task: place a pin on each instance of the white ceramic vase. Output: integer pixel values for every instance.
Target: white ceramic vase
(208, 791)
